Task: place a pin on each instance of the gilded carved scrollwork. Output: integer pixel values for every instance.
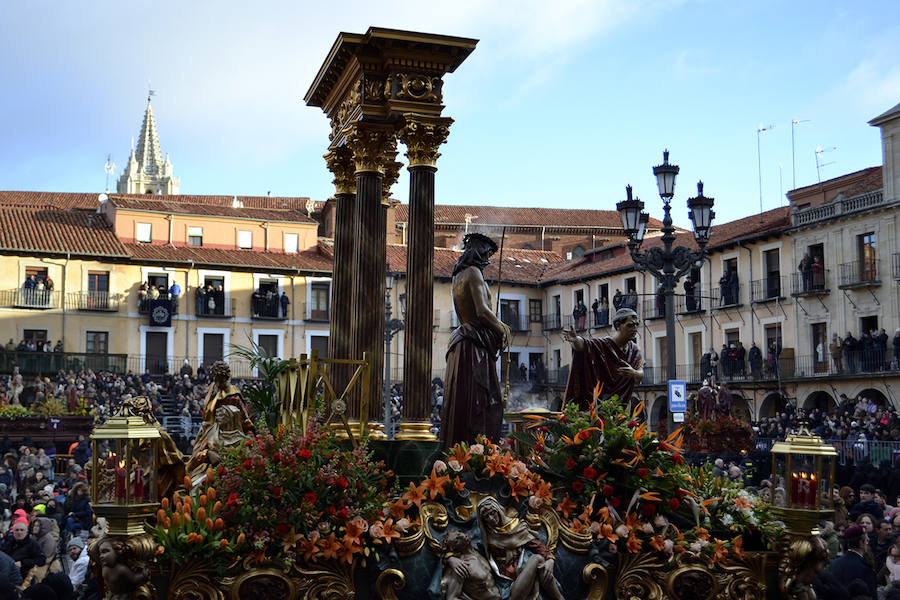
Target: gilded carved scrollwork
(391, 175)
(344, 111)
(374, 91)
(389, 582)
(373, 146)
(597, 578)
(652, 576)
(196, 580)
(423, 135)
(415, 86)
(340, 163)
(431, 514)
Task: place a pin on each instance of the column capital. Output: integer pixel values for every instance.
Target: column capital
(372, 145)
(340, 163)
(423, 135)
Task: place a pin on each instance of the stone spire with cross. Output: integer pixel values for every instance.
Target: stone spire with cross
(146, 172)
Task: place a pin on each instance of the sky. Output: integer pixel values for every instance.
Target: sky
(561, 104)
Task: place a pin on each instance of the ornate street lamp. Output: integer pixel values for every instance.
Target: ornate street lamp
(668, 264)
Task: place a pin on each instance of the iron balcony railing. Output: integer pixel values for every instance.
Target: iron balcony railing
(690, 303)
(552, 322)
(158, 364)
(860, 273)
(851, 452)
(516, 321)
(211, 304)
(654, 308)
(144, 302)
(30, 298)
(93, 301)
(811, 283)
(34, 363)
(267, 307)
(768, 289)
(728, 295)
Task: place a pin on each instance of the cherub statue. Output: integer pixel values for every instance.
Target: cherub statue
(122, 576)
(467, 574)
(520, 558)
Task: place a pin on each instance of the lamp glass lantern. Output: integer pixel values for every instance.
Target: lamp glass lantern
(807, 465)
(124, 484)
(630, 211)
(665, 177)
(642, 228)
(701, 214)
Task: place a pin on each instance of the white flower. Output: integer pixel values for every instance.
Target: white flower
(727, 520)
(696, 547)
(660, 521)
(647, 528)
(476, 449)
(668, 546)
(403, 524)
(595, 527)
(454, 464)
(622, 530)
(439, 466)
(535, 502)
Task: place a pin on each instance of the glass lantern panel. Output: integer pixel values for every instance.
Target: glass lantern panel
(111, 474)
(805, 484)
(143, 468)
(779, 484)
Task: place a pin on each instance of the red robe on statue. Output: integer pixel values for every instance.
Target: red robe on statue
(600, 363)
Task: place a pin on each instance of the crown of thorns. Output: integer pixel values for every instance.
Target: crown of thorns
(478, 237)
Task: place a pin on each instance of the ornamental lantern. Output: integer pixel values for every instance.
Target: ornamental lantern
(124, 485)
(806, 464)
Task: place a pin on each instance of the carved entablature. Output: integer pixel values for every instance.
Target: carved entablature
(414, 87)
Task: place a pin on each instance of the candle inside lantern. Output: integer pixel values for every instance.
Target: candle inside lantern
(138, 482)
(813, 490)
(795, 488)
(120, 481)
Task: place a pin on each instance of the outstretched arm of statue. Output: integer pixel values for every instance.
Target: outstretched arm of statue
(578, 343)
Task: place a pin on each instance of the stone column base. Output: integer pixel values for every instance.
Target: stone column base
(416, 431)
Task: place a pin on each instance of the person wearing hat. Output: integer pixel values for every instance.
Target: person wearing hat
(78, 553)
(852, 565)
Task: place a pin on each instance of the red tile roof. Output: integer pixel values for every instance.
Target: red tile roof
(50, 230)
(526, 267)
(263, 209)
(862, 181)
(54, 199)
(447, 214)
(309, 261)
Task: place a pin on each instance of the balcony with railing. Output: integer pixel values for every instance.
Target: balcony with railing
(268, 307)
(93, 301)
(35, 363)
(144, 303)
(727, 296)
(654, 308)
(159, 364)
(810, 284)
(839, 207)
(686, 304)
(860, 273)
(768, 289)
(211, 305)
(315, 313)
(29, 298)
(515, 320)
(552, 322)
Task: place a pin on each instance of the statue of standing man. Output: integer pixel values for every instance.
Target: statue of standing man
(613, 361)
(473, 403)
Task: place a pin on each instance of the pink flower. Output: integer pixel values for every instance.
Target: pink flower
(535, 502)
(376, 530)
(476, 449)
(439, 466)
(454, 464)
(403, 524)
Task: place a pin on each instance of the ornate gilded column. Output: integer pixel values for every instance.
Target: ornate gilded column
(374, 148)
(422, 136)
(340, 163)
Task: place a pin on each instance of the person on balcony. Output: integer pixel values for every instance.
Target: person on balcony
(818, 274)
(849, 345)
(153, 293)
(174, 293)
(142, 296)
(690, 302)
(201, 300)
(595, 308)
(285, 302)
(805, 268)
(895, 363)
(755, 358)
(735, 285)
(618, 299)
(30, 283)
(880, 339)
(604, 312)
(724, 300)
(660, 300)
(836, 349)
(579, 314)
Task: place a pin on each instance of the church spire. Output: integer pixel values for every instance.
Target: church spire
(147, 172)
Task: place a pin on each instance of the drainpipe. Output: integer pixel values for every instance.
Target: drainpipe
(265, 227)
(65, 269)
(185, 302)
(752, 311)
(543, 231)
(171, 219)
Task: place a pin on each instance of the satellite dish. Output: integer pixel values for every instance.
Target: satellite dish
(102, 198)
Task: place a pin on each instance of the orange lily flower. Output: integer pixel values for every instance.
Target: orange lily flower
(566, 506)
(519, 488)
(414, 495)
(543, 491)
(658, 543)
(460, 453)
(330, 547)
(398, 508)
(742, 503)
(633, 544)
(434, 485)
(390, 531)
(607, 532)
(353, 531)
(459, 485)
(720, 552)
(309, 547)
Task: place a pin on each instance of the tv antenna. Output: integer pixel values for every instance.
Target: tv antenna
(110, 168)
(819, 152)
(794, 123)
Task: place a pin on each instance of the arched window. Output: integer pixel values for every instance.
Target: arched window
(577, 252)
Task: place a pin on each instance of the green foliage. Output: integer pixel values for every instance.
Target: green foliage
(51, 407)
(14, 411)
(262, 395)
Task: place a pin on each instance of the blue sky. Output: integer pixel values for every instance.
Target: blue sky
(561, 105)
